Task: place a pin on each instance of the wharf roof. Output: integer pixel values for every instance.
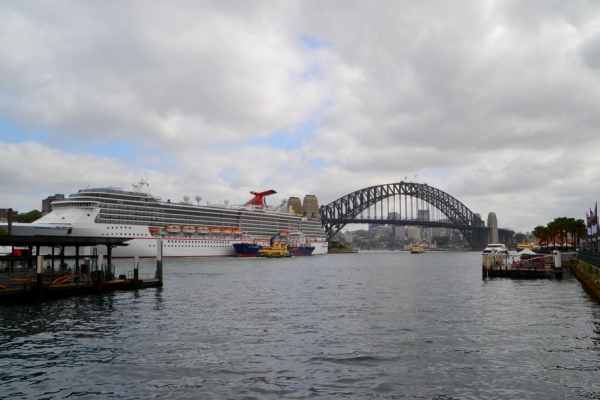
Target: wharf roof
(64, 241)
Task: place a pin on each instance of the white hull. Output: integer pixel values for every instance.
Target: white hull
(115, 213)
(143, 244)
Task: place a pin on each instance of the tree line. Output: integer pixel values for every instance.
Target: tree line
(563, 228)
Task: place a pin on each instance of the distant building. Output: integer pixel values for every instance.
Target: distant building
(423, 215)
(4, 214)
(48, 200)
(381, 231)
(400, 231)
(394, 215)
(439, 232)
(414, 232)
(348, 236)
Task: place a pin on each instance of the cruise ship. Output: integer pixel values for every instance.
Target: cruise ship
(187, 229)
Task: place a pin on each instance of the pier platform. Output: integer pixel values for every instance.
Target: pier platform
(508, 271)
(26, 277)
(534, 267)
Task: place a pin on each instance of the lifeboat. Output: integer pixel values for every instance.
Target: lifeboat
(173, 229)
(226, 231)
(154, 230)
(236, 231)
(284, 233)
(188, 230)
(215, 231)
(202, 230)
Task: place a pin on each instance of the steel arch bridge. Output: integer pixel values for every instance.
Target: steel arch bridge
(451, 212)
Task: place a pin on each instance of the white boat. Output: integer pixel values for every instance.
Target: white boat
(143, 217)
(495, 247)
(498, 253)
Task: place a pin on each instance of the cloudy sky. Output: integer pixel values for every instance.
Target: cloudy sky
(495, 102)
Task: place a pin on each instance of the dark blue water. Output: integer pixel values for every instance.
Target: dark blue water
(370, 325)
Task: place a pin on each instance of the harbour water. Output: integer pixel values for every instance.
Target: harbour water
(367, 325)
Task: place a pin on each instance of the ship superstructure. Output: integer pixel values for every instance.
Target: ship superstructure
(188, 229)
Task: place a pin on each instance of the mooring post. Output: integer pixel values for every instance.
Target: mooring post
(558, 264)
(100, 273)
(136, 273)
(76, 270)
(159, 256)
(40, 277)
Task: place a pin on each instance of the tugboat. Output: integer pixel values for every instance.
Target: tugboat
(276, 250)
(246, 249)
(299, 245)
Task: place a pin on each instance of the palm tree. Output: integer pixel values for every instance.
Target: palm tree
(541, 234)
(580, 230)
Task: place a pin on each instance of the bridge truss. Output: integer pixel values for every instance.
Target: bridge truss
(404, 203)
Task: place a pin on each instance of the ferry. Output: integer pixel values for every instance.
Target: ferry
(187, 229)
(297, 245)
(497, 251)
(417, 250)
(498, 248)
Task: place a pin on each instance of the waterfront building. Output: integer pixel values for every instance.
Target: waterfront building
(414, 232)
(4, 214)
(400, 231)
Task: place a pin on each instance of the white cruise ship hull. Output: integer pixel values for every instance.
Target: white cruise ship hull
(110, 212)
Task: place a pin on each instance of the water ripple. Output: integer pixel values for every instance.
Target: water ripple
(374, 325)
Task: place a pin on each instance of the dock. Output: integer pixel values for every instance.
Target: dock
(542, 266)
(28, 276)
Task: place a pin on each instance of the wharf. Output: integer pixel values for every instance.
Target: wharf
(342, 251)
(26, 277)
(539, 267)
(509, 271)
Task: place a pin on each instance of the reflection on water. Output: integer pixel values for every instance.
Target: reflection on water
(373, 325)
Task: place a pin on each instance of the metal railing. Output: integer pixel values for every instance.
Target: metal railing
(590, 258)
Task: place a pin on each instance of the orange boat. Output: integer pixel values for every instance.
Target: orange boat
(236, 231)
(226, 231)
(214, 231)
(202, 230)
(173, 229)
(188, 230)
(154, 230)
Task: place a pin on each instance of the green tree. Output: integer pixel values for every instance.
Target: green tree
(519, 237)
(33, 215)
(441, 241)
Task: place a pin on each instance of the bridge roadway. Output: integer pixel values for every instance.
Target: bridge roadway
(503, 233)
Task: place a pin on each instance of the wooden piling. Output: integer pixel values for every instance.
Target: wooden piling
(159, 256)
(136, 273)
(40, 277)
(100, 272)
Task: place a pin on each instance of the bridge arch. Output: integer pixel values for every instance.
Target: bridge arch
(347, 209)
